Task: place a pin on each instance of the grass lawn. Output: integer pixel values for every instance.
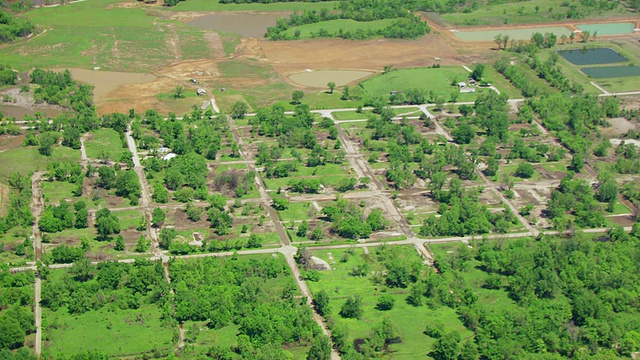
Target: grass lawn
(104, 141)
(333, 26)
(129, 219)
(296, 211)
(27, 159)
(116, 333)
(324, 100)
(510, 169)
(437, 80)
(501, 13)
(55, 191)
(411, 321)
(351, 115)
(9, 241)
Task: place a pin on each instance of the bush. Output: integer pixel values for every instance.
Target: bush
(385, 302)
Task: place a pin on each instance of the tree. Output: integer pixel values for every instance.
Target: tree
(463, 134)
(331, 86)
(297, 96)
(577, 162)
(142, 244)
(239, 110)
(352, 308)
(469, 351)
(478, 72)
(524, 170)
(11, 334)
(280, 204)
(385, 302)
(446, 348)
(320, 348)
(160, 194)
(158, 217)
(630, 343)
(106, 223)
(321, 303)
(302, 229)
(178, 92)
(317, 234)
(46, 141)
(119, 245)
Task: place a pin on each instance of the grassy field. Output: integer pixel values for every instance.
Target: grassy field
(104, 141)
(333, 26)
(27, 159)
(411, 321)
(215, 5)
(523, 12)
(55, 191)
(98, 33)
(427, 79)
(116, 333)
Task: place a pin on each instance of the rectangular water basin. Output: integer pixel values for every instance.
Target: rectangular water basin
(612, 71)
(608, 28)
(592, 56)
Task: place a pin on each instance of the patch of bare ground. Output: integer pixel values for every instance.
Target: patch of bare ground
(141, 97)
(288, 57)
(619, 127)
(5, 193)
(215, 43)
(11, 141)
(174, 42)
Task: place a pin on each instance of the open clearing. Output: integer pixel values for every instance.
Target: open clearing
(245, 24)
(321, 78)
(107, 81)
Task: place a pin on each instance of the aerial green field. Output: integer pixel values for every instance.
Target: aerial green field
(27, 159)
(332, 27)
(409, 320)
(117, 333)
(436, 80)
(527, 12)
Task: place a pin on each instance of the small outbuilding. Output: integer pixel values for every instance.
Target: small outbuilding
(462, 84)
(169, 156)
(201, 92)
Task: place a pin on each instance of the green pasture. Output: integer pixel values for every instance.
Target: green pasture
(104, 141)
(27, 159)
(333, 26)
(411, 321)
(118, 333)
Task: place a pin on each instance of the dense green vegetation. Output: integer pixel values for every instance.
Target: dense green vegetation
(16, 317)
(256, 294)
(404, 26)
(13, 27)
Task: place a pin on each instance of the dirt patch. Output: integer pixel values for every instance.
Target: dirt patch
(143, 96)
(247, 24)
(107, 81)
(5, 193)
(619, 126)
(24, 104)
(289, 57)
(10, 142)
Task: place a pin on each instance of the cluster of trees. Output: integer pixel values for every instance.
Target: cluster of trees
(462, 213)
(348, 219)
(572, 119)
(577, 197)
(12, 27)
(57, 218)
(59, 88)
(250, 293)
(241, 183)
(516, 77)
(7, 75)
(19, 213)
(16, 317)
(125, 182)
(86, 287)
(405, 26)
(577, 296)
(551, 73)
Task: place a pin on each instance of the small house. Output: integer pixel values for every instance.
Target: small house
(462, 84)
(163, 150)
(201, 92)
(394, 92)
(468, 90)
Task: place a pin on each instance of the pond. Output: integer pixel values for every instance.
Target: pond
(321, 78)
(592, 56)
(245, 24)
(515, 34)
(611, 71)
(608, 28)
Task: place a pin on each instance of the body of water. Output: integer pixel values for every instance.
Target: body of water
(592, 56)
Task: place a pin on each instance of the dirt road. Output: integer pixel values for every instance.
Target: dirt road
(37, 206)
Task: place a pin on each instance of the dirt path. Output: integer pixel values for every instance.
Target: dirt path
(264, 195)
(174, 42)
(37, 206)
(146, 193)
